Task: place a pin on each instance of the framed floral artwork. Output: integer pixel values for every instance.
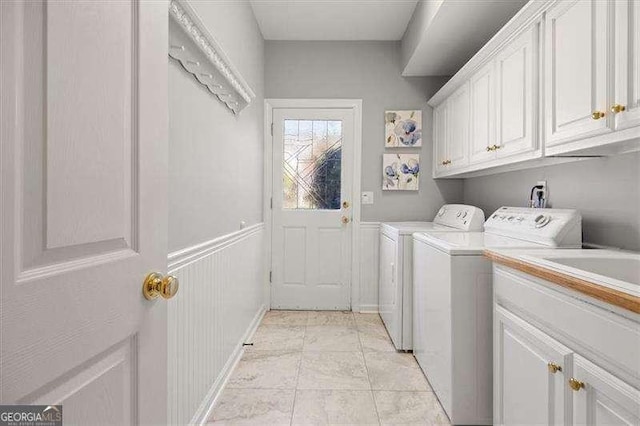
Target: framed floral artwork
(400, 172)
(403, 129)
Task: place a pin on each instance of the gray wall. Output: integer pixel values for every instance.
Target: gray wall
(605, 190)
(369, 71)
(216, 167)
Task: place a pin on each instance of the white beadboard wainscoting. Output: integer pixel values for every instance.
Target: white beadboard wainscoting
(219, 305)
(369, 267)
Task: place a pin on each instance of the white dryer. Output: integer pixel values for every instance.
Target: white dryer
(395, 291)
(452, 327)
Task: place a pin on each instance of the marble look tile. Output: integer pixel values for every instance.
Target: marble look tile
(333, 370)
(331, 318)
(266, 370)
(366, 319)
(278, 337)
(331, 338)
(322, 407)
(285, 318)
(254, 407)
(395, 371)
(374, 338)
(406, 408)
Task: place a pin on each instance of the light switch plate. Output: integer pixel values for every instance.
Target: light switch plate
(367, 197)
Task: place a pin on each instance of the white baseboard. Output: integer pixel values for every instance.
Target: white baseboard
(367, 309)
(206, 407)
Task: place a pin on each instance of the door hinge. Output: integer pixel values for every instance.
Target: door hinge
(270, 276)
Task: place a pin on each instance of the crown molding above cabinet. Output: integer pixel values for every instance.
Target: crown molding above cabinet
(193, 46)
(559, 82)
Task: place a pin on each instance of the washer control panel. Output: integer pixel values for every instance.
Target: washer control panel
(551, 227)
(460, 216)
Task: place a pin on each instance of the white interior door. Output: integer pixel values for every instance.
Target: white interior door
(84, 209)
(312, 198)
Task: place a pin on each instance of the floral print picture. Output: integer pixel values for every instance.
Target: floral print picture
(403, 129)
(400, 172)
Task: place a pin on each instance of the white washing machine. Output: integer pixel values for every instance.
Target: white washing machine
(452, 327)
(395, 291)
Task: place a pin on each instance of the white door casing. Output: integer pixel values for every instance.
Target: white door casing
(440, 129)
(311, 247)
(84, 208)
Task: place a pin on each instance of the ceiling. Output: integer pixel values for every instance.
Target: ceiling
(457, 30)
(333, 19)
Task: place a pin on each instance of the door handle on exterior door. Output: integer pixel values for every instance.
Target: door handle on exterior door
(345, 220)
(345, 204)
(156, 285)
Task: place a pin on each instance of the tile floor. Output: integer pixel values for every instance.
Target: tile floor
(326, 368)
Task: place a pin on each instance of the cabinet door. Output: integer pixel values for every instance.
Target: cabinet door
(526, 389)
(516, 71)
(458, 128)
(627, 65)
(482, 115)
(604, 399)
(576, 71)
(440, 138)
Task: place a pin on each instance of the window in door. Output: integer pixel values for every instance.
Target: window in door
(312, 160)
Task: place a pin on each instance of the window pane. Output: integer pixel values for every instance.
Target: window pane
(312, 162)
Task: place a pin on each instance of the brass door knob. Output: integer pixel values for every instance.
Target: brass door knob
(617, 108)
(345, 204)
(553, 367)
(575, 384)
(345, 219)
(597, 115)
(157, 285)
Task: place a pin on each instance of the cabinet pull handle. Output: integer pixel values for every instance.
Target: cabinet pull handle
(576, 384)
(553, 367)
(597, 115)
(617, 108)
(489, 148)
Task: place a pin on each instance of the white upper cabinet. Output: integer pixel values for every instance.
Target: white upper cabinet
(482, 115)
(457, 134)
(625, 105)
(576, 71)
(516, 74)
(440, 139)
(561, 78)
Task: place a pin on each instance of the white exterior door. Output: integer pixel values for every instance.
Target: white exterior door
(84, 210)
(576, 71)
(530, 373)
(312, 204)
(516, 74)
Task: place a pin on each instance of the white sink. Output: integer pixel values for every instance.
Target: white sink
(623, 269)
(615, 269)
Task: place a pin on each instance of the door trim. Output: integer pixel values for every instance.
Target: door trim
(356, 106)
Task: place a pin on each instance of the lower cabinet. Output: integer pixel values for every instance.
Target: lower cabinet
(538, 380)
(530, 370)
(600, 398)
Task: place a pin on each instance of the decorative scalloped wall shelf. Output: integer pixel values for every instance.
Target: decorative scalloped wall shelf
(198, 52)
